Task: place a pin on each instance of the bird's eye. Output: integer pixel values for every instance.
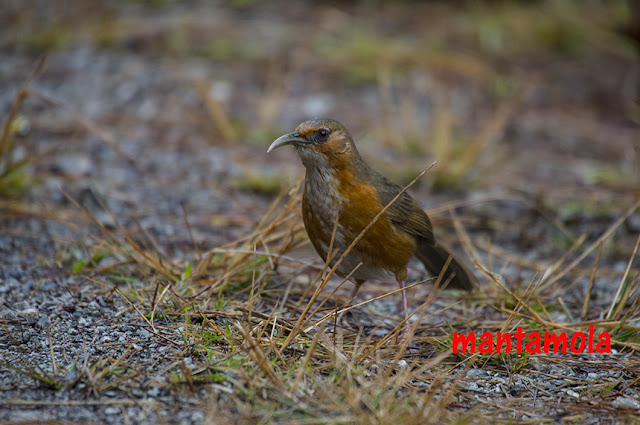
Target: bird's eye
(323, 134)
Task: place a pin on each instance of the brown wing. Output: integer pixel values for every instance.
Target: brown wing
(405, 212)
(409, 216)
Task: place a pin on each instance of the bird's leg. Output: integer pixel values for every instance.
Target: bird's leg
(357, 284)
(405, 331)
(405, 309)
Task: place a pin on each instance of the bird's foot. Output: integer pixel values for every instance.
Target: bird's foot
(405, 337)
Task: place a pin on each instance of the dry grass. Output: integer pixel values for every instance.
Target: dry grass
(269, 349)
(13, 178)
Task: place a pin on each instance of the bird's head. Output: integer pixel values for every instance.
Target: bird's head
(321, 143)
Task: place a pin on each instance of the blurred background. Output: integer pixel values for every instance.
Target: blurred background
(153, 107)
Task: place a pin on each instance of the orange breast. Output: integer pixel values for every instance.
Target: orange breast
(383, 250)
(386, 245)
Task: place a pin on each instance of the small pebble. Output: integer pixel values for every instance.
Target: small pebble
(573, 394)
(112, 410)
(626, 403)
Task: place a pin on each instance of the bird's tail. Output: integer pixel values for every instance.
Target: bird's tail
(435, 256)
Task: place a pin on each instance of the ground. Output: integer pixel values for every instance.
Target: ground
(153, 263)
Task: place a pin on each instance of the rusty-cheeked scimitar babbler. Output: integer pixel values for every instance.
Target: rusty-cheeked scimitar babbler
(340, 186)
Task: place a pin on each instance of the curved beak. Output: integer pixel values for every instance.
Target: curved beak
(288, 139)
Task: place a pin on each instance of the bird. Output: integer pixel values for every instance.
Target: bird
(343, 194)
